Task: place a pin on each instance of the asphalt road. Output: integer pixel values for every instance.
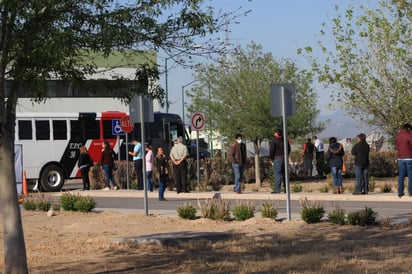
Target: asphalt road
(385, 204)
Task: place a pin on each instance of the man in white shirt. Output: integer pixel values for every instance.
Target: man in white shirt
(320, 157)
(178, 155)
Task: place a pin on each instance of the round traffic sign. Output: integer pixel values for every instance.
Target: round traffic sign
(198, 121)
(126, 125)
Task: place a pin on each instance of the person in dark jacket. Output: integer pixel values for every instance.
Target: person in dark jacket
(277, 157)
(107, 162)
(307, 152)
(160, 168)
(84, 163)
(237, 156)
(361, 152)
(403, 142)
(334, 157)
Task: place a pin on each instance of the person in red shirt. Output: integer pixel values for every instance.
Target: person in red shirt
(403, 142)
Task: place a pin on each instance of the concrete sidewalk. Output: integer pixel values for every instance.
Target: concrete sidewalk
(316, 196)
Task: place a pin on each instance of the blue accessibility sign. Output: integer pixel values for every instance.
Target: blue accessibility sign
(116, 129)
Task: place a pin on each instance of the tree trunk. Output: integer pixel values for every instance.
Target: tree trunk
(256, 145)
(15, 260)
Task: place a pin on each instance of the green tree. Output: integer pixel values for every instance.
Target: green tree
(44, 39)
(369, 67)
(235, 97)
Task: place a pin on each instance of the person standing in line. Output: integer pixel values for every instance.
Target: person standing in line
(138, 162)
(237, 155)
(334, 158)
(161, 172)
(85, 163)
(320, 157)
(107, 162)
(178, 155)
(149, 167)
(361, 152)
(403, 142)
(307, 152)
(277, 157)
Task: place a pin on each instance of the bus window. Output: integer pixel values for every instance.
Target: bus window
(59, 130)
(84, 130)
(25, 130)
(92, 129)
(42, 130)
(107, 129)
(174, 133)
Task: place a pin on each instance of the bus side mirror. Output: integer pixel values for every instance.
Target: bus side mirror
(190, 130)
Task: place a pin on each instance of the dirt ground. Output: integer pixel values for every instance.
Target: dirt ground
(73, 242)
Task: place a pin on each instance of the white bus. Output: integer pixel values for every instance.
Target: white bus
(51, 141)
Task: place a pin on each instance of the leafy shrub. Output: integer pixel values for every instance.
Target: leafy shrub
(186, 211)
(67, 201)
(297, 188)
(324, 189)
(269, 210)
(85, 204)
(312, 211)
(72, 202)
(215, 209)
(386, 221)
(386, 188)
(43, 205)
(337, 216)
(362, 217)
(243, 210)
(39, 202)
(29, 205)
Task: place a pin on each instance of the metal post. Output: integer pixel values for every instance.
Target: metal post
(197, 157)
(127, 160)
(166, 87)
(183, 99)
(285, 147)
(146, 209)
(183, 106)
(211, 129)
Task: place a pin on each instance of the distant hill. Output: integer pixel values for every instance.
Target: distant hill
(341, 125)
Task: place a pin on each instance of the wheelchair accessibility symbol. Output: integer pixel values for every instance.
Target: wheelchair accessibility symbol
(116, 129)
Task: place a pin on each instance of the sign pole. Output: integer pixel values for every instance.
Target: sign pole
(285, 148)
(198, 122)
(197, 160)
(127, 127)
(127, 161)
(142, 125)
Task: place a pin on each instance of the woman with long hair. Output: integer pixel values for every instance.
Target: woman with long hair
(85, 163)
(107, 162)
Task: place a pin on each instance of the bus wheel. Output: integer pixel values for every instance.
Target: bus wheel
(52, 178)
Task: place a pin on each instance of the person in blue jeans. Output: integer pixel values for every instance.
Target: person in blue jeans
(403, 142)
(161, 172)
(137, 154)
(361, 152)
(334, 157)
(277, 156)
(149, 167)
(107, 162)
(237, 155)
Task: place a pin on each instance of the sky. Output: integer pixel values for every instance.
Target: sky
(280, 26)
